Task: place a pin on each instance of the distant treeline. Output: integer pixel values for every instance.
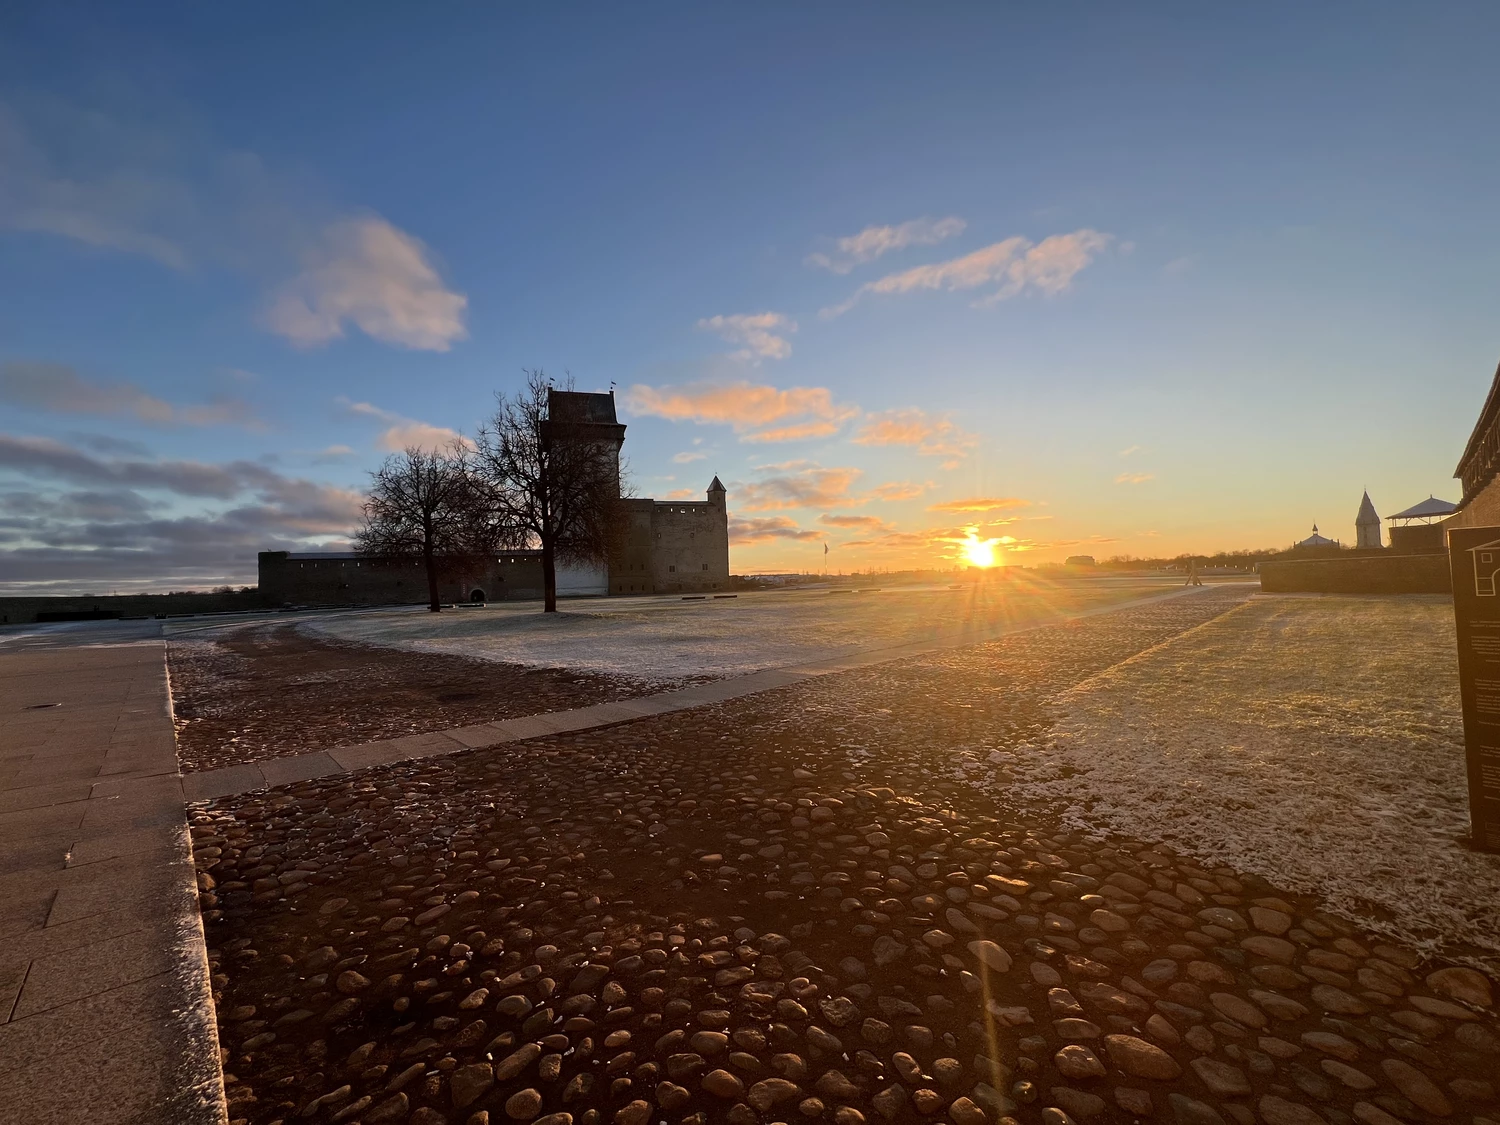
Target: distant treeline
(1244, 559)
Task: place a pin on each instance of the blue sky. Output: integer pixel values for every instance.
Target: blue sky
(1091, 279)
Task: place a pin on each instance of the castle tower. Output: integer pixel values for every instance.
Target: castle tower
(717, 494)
(1367, 524)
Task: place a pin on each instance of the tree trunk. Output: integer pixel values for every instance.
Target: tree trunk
(549, 578)
(433, 604)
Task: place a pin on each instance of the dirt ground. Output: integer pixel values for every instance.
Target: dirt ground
(268, 690)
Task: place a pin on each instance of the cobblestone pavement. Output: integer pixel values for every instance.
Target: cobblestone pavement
(795, 907)
(271, 690)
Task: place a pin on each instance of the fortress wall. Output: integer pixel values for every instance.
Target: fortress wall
(25, 610)
(690, 547)
(1371, 574)
(630, 566)
(338, 581)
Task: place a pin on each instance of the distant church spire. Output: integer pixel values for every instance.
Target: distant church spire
(1367, 524)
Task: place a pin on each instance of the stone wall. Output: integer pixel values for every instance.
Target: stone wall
(1480, 510)
(1419, 539)
(23, 611)
(1369, 574)
(630, 566)
(300, 580)
(690, 547)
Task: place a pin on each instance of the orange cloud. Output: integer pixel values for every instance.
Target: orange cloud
(866, 523)
(932, 435)
(767, 529)
(798, 484)
(802, 431)
(980, 504)
(747, 408)
(1134, 478)
(899, 490)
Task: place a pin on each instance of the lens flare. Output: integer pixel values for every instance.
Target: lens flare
(979, 552)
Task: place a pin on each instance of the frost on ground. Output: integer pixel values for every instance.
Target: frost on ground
(1316, 742)
(659, 642)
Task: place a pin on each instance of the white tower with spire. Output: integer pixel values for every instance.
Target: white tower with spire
(1367, 525)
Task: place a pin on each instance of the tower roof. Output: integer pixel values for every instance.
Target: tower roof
(1426, 509)
(581, 406)
(717, 486)
(1366, 513)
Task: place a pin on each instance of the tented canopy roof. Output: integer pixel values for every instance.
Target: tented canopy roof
(1426, 509)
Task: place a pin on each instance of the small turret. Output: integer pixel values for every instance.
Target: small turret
(717, 492)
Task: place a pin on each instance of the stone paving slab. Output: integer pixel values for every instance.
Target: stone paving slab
(105, 1010)
(247, 778)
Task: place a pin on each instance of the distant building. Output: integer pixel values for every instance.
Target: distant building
(1315, 540)
(1367, 525)
(663, 546)
(1418, 530)
(1079, 560)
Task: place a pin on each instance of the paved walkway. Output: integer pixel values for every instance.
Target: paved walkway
(271, 772)
(106, 1015)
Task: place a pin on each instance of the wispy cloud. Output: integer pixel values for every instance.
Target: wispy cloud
(872, 242)
(798, 484)
(981, 504)
(932, 435)
(400, 431)
(861, 523)
(763, 335)
(767, 529)
(79, 175)
(110, 178)
(1130, 449)
(382, 280)
(752, 410)
(59, 388)
(1134, 478)
(1014, 266)
(688, 455)
(900, 490)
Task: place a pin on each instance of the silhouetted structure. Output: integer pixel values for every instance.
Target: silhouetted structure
(660, 546)
(1418, 530)
(1478, 467)
(1367, 525)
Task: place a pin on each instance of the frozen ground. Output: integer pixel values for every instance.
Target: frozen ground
(659, 641)
(1315, 741)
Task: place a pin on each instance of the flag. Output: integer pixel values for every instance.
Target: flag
(825, 548)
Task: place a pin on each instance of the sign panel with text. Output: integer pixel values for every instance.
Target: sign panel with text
(1474, 556)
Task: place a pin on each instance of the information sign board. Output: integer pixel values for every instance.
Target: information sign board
(1474, 556)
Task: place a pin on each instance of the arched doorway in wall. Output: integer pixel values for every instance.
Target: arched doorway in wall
(476, 596)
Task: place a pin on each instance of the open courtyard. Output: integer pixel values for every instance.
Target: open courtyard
(1088, 852)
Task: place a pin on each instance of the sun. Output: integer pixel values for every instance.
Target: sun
(979, 552)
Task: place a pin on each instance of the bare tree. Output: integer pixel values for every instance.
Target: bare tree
(426, 504)
(552, 482)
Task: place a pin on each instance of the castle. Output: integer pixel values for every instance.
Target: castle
(663, 547)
